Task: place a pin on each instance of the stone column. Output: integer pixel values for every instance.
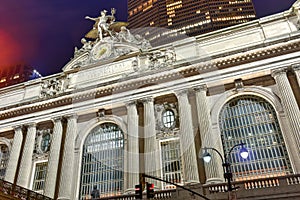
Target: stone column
(213, 169)
(66, 178)
(14, 155)
(187, 137)
(132, 162)
(53, 160)
(296, 69)
(26, 161)
(289, 104)
(151, 148)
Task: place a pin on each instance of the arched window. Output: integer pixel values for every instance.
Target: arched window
(103, 161)
(4, 156)
(252, 120)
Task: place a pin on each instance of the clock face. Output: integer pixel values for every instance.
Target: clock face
(101, 50)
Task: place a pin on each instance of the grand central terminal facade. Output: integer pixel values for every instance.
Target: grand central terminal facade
(121, 108)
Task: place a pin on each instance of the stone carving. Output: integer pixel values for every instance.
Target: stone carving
(42, 143)
(51, 87)
(102, 24)
(110, 39)
(164, 131)
(161, 59)
(239, 85)
(296, 9)
(87, 46)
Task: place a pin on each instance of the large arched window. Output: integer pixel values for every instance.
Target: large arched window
(4, 156)
(103, 161)
(253, 120)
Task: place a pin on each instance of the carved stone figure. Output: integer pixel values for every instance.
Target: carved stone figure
(105, 25)
(296, 9)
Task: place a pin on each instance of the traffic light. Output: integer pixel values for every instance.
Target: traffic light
(150, 190)
(138, 191)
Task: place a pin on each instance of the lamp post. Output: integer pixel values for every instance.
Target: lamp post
(225, 162)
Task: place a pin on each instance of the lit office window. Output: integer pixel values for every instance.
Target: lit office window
(171, 162)
(4, 156)
(39, 177)
(103, 161)
(252, 120)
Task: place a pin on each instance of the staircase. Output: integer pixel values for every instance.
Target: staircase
(10, 191)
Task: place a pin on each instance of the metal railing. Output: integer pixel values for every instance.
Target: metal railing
(19, 192)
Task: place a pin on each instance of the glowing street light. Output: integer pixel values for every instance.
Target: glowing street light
(225, 163)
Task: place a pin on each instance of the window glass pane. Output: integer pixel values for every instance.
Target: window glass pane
(103, 161)
(4, 156)
(39, 177)
(171, 162)
(168, 118)
(253, 120)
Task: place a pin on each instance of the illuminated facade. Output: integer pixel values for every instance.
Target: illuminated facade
(120, 109)
(188, 17)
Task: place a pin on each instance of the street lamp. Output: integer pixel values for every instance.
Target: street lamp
(225, 162)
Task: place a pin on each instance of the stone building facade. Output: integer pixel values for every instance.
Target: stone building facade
(120, 108)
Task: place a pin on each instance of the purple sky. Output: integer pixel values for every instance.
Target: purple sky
(43, 33)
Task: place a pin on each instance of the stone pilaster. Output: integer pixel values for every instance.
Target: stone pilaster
(132, 153)
(296, 69)
(53, 161)
(26, 161)
(187, 138)
(289, 104)
(66, 178)
(14, 155)
(151, 149)
(213, 169)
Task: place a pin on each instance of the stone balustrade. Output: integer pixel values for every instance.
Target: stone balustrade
(263, 188)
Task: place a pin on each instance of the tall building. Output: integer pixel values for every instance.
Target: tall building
(15, 74)
(189, 17)
(120, 109)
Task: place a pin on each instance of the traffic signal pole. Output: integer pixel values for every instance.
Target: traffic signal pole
(158, 179)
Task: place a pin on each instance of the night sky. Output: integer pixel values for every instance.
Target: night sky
(43, 33)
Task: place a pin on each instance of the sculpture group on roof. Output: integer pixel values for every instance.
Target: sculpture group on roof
(106, 27)
(107, 30)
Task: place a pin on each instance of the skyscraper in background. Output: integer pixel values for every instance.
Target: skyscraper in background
(11, 75)
(188, 17)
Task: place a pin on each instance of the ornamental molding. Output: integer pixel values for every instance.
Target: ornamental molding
(52, 87)
(220, 63)
(161, 130)
(40, 151)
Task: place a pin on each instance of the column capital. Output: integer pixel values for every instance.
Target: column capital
(296, 67)
(71, 116)
(182, 92)
(147, 100)
(18, 127)
(131, 103)
(277, 72)
(32, 124)
(200, 88)
(54, 119)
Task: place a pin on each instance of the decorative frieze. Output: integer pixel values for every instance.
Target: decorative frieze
(52, 87)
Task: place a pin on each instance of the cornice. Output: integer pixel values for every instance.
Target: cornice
(153, 78)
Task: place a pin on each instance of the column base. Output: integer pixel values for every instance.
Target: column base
(130, 191)
(63, 198)
(214, 180)
(191, 182)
